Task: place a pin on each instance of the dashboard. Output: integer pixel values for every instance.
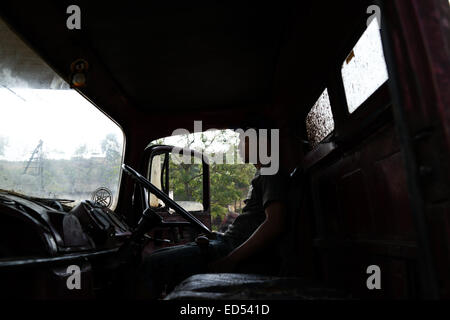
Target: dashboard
(41, 241)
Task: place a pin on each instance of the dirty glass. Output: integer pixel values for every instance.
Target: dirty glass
(319, 121)
(364, 70)
(54, 143)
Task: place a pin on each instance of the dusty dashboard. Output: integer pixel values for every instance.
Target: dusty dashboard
(46, 227)
(42, 239)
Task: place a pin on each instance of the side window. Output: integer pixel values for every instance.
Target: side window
(364, 70)
(186, 184)
(319, 121)
(180, 180)
(229, 177)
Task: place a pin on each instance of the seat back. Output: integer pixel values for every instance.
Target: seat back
(295, 248)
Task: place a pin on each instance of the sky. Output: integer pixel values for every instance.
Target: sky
(51, 111)
(63, 119)
(231, 138)
(367, 70)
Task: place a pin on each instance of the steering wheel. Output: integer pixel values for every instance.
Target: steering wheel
(169, 202)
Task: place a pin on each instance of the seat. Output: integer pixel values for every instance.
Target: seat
(293, 280)
(237, 286)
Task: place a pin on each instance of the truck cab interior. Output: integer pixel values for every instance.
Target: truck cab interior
(357, 89)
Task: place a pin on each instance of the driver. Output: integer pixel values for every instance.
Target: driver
(261, 222)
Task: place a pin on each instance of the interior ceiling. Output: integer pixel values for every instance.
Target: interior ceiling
(177, 55)
(189, 54)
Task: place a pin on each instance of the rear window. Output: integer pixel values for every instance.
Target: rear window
(319, 121)
(364, 70)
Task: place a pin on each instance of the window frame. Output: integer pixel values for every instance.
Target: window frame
(349, 127)
(377, 106)
(153, 150)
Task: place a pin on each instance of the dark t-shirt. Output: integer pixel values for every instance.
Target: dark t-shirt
(263, 190)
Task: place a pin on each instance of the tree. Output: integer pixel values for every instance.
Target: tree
(228, 182)
(110, 173)
(81, 151)
(111, 148)
(185, 181)
(3, 145)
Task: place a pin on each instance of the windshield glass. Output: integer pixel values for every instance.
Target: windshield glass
(53, 142)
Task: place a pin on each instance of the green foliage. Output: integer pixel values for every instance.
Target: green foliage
(81, 151)
(3, 145)
(186, 181)
(75, 178)
(229, 183)
(111, 148)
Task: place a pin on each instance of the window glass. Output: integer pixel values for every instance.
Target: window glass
(186, 184)
(364, 70)
(53, 142)
(229, 179)
(155, 175)
(319, 121)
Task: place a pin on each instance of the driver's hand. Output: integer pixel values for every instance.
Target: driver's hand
(215, 233)
(202, 237)
(202, 240)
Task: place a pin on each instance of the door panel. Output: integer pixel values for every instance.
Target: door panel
(361, 205)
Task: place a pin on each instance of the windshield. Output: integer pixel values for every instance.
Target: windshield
(53, 142)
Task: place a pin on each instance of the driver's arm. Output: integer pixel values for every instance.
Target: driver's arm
(267, 232)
